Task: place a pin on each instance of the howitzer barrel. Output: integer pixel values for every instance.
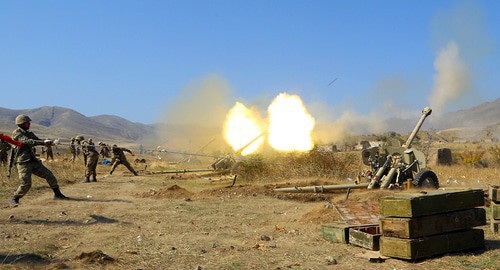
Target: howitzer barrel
(321, 189)
(425, 112)
(239, 151)
(182, 171)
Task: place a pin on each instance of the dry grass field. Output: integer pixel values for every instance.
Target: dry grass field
(168, 221)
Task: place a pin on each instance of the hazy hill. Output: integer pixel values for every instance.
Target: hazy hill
(485, 116)
(67, 123)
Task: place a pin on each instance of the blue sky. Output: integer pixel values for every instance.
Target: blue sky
(133, 58)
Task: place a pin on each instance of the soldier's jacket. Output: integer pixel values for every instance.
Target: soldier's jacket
(88, 148)
(29, 139)
(118, 153)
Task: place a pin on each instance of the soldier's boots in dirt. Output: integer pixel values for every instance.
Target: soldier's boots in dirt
(87, 180)
(58, 195)
(94, 179)
(14, 201)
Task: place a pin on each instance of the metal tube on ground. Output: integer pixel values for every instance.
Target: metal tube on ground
(321, 189)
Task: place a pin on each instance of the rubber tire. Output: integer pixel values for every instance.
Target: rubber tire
(426, 178)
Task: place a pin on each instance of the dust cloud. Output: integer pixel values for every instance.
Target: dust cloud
(194, 119)
(451, 80)
(461, 41)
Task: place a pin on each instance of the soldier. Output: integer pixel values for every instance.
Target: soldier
(4, 151)
(92, 158)
(120, 158)
(104, 152)
(27, 163)
(72, 149)
(49, 152)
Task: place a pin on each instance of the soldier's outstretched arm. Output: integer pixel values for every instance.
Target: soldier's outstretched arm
(8, 139)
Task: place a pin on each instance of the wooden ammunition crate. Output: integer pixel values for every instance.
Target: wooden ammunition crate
(425, 247)
(494, 225)
(339, 231)
(336, 232)
(432, 225)
(430, 203)
(365, 236)
(495, 210)
(494, 194)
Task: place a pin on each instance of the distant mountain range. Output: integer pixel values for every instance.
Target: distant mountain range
(66, 123)
(484, 117)
(53, 121)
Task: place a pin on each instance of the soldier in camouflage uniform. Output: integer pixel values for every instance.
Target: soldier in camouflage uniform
(104, 152)
(72, 149)
(92, 159)
(4, 152)
(49, 152)
(27, 163)
(120, 158)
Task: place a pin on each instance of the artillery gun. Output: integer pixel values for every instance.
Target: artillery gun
(393, 165)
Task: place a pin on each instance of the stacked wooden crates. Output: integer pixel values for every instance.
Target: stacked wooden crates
(426, 224)
(494, 196)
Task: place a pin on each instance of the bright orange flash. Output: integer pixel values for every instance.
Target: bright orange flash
(241, 127)
(290, 125)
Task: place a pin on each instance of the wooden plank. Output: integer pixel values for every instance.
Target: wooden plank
(494, 193)
(365, 236)
(411, 249)
(432, 225)
(495, 210)
(431, 202)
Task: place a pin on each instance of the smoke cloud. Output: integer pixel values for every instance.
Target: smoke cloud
(203, 103)
(194, 119)
(451, 80)
(460, 38)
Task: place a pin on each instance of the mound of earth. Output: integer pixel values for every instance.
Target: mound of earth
(172, 192)
(95, 257)
(236, 191)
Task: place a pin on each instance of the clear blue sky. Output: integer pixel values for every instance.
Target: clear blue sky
(132, 58)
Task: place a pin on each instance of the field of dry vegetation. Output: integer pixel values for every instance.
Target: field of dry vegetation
(193, 221)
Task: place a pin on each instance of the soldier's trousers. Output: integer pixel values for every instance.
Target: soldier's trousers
(92, 160)
(125, 163)
(25, 171)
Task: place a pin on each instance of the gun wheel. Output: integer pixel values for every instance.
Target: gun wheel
(426, 178)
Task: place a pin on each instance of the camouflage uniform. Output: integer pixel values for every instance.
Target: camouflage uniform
(27, 163)
(92, 159)
(120, 158)
(49, 152)
(4, 150)
(104, 152)
(72, 149)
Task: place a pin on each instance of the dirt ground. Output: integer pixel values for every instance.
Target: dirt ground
(164, 222)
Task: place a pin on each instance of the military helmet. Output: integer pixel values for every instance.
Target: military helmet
(22, 118)
(79, 138)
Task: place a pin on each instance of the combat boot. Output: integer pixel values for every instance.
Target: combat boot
(87, 179)
(94, 179)
(14, 201)
(58, 195)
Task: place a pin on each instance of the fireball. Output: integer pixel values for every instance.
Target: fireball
(241, 128)
(290, 125)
